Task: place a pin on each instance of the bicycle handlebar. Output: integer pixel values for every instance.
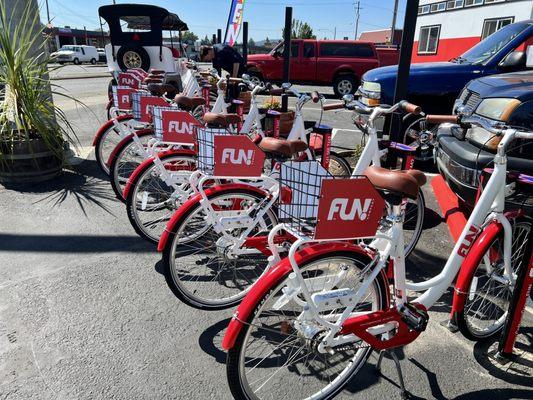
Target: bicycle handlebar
(333, 106)
(410, 107)
(440, 119)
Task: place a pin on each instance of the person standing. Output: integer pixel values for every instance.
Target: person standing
(224, 57)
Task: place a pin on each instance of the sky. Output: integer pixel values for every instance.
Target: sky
(265, 17)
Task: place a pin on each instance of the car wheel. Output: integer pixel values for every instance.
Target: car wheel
(77, 61)
(255, 77)
(344, 84)
(133, 57)
(93, 61)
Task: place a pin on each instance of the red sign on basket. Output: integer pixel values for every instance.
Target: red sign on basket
(348, 208)
(147, 104)
(129, 79)
(237, 155)
(178, 126)
(124, 98)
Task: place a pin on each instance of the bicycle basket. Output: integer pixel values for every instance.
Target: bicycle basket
(143, 103)
(205, 139)
(122, 97)
(316, 205)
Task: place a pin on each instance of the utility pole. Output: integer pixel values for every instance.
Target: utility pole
(357, 13)
(335, 33)
(47, 12)
(393, 26)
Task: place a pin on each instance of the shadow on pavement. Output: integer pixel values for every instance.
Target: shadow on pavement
(210, 340)
(519, 370)
(73, 243)
(76, 185)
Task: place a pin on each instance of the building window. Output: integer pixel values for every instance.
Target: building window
(429, 39)
(438, 7)
(453, 4)
(493, 1)
(471, 3)
(492, 25)
(423, 10)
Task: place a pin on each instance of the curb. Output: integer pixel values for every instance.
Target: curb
(63, 78)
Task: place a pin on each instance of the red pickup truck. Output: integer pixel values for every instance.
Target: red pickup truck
(340, 63)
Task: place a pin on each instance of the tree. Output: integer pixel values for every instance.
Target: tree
(267, 42)
(189, 37)
(251, 43)
(300, 30)
(205, 41)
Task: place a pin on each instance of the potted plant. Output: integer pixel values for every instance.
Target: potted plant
(286, 119)
(34, 133)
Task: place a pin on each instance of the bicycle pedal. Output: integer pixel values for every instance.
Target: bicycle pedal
(416, 318)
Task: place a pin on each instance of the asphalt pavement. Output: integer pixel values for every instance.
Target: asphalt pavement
(85, 312)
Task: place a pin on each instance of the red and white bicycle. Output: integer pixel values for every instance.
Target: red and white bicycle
(234, 247)
(309, 324)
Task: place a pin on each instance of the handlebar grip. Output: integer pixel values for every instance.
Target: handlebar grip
(411, 108)
(235, 80)
(333, 106)
(315, 96)
(276, 92)
(440, 119)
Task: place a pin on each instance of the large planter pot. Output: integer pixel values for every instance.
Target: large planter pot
(285, 122)
(28, 162)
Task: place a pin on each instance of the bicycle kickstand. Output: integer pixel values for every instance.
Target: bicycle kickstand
(394, 357)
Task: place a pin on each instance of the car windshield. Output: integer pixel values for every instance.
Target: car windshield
(485, 49)
(68, 48)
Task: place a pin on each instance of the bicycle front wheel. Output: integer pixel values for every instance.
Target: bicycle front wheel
(274, 356)
(201, 266)
(151, 202)
(126, 160)
(490, 291)
(106, 143)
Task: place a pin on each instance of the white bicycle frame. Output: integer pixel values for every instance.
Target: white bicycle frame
(489, 207)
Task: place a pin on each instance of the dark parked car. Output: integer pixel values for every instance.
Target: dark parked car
(434, 86)
(463, 154)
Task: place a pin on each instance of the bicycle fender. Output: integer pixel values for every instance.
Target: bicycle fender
(124, 142)
(146, 163)
(275, 275)
(471, 261)
(108, 125)
(185, 207)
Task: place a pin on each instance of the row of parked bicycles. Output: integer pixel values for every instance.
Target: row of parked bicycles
(312, 251)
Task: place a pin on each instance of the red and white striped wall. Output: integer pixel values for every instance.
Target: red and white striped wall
(461, 28)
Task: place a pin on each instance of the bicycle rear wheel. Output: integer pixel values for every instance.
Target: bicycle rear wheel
(489, 293)
(274, 359)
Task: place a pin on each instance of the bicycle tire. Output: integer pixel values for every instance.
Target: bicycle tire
(101, 141)
(131, 203)
(118, 178)
(463, 318)
(170, 268)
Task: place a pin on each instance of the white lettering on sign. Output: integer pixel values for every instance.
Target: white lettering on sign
(180, 127)
(125, 98)
(243, 156)
(340, 207)
(128, 82)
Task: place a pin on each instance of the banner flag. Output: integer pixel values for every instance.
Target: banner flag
(234, 22)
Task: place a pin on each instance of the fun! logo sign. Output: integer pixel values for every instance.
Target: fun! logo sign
(147, 105)
(129, 79)
(237, 155)
(178, 126)
(124, 98)
(348, 208)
